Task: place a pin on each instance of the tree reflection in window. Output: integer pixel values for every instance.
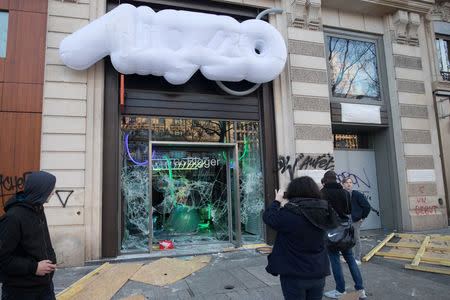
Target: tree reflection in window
(353, 68)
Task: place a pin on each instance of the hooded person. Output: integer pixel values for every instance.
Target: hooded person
(27, 258)
(299, 254)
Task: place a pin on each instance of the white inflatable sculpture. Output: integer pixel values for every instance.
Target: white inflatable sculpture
(175, 44)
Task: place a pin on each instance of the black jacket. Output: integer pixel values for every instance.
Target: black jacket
(24, 236)
(360, 206)
(338, 198)
(299, 249)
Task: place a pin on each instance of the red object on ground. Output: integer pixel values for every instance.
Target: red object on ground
(165, 245)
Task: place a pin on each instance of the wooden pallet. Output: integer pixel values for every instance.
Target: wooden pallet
(418, 248)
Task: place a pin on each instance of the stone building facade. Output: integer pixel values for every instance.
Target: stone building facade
(397, 124)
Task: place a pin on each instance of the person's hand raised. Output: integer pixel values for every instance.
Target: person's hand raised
(45, 267)
(279, 195)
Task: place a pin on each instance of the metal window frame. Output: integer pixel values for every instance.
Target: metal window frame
(229, 146)
(381, 62)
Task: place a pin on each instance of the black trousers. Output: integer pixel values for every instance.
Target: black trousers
(47, 293)
(302, 289)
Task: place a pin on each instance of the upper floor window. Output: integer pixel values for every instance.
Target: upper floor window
(353, 67)
(442, 46)
(3, 32)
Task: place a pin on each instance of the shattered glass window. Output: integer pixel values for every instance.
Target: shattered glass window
(251, 181)
(353, 68)
(192, 197)
(134, 183)
(189, 196)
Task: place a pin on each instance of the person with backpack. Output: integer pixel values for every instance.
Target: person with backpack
(360, 211)
(299, 254)
(27, 258)
(340, 201)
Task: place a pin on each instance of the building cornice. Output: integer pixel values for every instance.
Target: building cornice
(418, 6)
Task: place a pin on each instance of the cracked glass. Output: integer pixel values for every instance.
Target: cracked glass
(190, 186)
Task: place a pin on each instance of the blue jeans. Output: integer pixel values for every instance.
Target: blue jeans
(17, 294)
(295, 288)
(337, 270)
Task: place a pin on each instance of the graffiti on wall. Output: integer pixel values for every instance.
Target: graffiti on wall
(63, 203)
(423, 207)
(305, 162)
(9, 185)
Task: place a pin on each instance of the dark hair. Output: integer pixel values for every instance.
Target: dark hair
(329, 176)
(303, 187)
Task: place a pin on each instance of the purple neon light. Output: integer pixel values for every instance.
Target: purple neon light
(129, 155)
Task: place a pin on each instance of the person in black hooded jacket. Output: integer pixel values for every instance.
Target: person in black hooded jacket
(340, 201)
(27, 258)
(299, 254)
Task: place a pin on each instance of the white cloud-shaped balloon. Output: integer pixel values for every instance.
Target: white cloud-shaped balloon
(175, 44)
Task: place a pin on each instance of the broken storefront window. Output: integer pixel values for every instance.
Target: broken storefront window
(189, 187)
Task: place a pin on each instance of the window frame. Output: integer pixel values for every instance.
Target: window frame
(381, 62)
(442, 38)
(7, 32)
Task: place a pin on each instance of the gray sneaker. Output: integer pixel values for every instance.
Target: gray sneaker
(363, 294)
(334, 294)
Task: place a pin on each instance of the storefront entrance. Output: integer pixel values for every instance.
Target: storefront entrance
(199, 194)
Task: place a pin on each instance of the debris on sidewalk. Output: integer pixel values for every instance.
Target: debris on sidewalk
(230, 249)
(431, 249)
(264, 250)
(100, 284)
(166, 271)
(135, 297)
(350, 296)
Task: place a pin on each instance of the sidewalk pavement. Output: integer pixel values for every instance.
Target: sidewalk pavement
(241, 275)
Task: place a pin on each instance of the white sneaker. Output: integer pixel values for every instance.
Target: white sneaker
(363, 294)
(358, 262)
(334, 294)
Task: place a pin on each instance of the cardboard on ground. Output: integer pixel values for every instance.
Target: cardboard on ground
(166, 271)
(350, 296)
(102, 284)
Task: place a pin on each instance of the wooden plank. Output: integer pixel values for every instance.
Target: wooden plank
(441, 237)
(398, 255)
(427, 269)
(421, 251)
(402, 245)
(436, 261)
(378, 247)
(406, 235)
(169, 270)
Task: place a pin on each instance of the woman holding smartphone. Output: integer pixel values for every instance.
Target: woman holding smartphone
(299, 254)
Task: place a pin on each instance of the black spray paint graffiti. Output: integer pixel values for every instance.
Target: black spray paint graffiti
(63, 203)
(305, 162)
(9, 185)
